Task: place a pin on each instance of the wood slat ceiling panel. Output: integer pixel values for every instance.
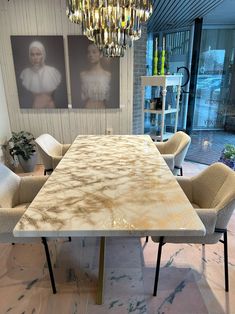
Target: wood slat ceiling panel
(174, 14)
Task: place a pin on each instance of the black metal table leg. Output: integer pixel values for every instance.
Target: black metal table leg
(44, 241)
(158, 266)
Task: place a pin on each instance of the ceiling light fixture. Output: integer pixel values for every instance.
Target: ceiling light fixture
(111, 24)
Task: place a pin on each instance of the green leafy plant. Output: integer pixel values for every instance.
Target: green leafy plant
(22, 144)
(229, 152)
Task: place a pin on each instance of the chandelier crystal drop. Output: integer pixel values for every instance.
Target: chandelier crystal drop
(111, 24)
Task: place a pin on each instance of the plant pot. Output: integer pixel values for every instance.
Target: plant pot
(28, 165)
(228, 162)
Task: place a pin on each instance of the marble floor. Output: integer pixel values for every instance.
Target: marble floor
(191, 277)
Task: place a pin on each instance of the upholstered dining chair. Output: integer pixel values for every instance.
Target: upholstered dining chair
(51, 151)
(212, 194)
(174, 151)
(16, 194)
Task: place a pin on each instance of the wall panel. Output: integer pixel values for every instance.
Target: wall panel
(47, 17)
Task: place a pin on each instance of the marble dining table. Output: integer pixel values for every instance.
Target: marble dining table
(108, 186)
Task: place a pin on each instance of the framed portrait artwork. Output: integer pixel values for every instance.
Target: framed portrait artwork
(94, 78)
(40, 71)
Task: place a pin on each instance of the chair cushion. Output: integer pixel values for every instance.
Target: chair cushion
(8, 219)
(169, 159)
(65, 148)
(23, 206)
(29, 188)
(212, 185)
(177, 146)
(48, 146)
(9, 185)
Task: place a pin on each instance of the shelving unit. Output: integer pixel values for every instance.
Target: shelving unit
(162, 81)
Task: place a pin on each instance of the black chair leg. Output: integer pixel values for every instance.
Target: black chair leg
(181, 171)
(225, 242)
(70, 239)
(147, 239)
(44, 241)
(47, 170)
(158, 266)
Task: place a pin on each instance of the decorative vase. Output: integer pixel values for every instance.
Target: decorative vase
(167, 61)
(155, 58)
(28, 165)
(159, 61)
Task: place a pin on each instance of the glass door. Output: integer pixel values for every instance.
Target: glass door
(214, 115)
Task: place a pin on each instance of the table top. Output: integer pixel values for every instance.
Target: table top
(112, 185)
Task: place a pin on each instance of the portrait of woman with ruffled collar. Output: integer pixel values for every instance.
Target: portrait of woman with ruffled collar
(40, 71)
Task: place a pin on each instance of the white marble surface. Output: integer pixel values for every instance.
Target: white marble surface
(110, 186)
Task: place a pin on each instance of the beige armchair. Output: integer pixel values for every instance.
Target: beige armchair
(174, 151)
(15, 196)
(51, 151)
(212, 194)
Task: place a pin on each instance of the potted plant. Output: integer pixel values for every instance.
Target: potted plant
(228, 156)
(23, 147)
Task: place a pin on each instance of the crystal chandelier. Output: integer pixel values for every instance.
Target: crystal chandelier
(111, 24)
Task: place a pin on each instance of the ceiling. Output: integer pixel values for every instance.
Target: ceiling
(175, 14)
(224, 13)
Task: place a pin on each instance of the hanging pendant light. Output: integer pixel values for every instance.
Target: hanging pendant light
(111, 24)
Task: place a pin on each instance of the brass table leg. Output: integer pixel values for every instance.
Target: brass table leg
(99, 296)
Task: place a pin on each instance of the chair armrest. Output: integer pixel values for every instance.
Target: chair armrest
(160, 146)
(170, 160)
(29, 188)
(186, 186)
(65, 147)
(208, 217)
(8, 219)
(56, 160)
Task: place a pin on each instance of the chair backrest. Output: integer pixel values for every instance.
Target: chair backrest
(9, 187)
(215, 188)
(48, 146)
(178, 145)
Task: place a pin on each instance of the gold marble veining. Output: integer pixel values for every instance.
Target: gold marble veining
(107, 186)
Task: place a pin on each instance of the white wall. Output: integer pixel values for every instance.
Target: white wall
(47, 17)
(5, 130)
